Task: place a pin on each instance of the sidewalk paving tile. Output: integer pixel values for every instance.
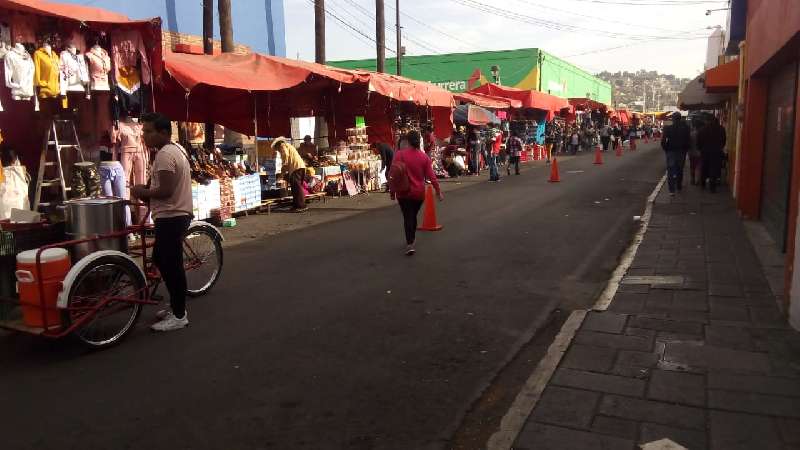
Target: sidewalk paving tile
(626, 429)
(734, 431)
(788, 387)
(677, 387)
(545, 437)
(611, 384)
(709, 363)
(691, 439)
(653, 411)
(749, 402)
(568, 407)
(604, 322)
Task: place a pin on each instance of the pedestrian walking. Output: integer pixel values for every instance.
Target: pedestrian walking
(475, 146)
(711, 140)
(494, 156)
(514, 146)
(386, 153)
(574, 141)
(695, 157)
(616, 134)
(411, 167)
(169, 192)
(605, 136)
(676, 142)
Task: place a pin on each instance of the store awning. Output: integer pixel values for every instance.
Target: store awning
(487, 101)
(474, 115)
(694, 96)
(529, 99)
(68, 11)
(622, 116)
(582, 104)
(723, 78)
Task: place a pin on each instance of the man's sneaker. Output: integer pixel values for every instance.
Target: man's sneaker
(163, 313)
(410, 250)
(171, 323)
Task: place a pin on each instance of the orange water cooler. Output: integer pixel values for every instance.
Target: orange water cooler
(55, 264)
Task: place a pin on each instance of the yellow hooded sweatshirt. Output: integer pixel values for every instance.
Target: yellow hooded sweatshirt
(46, 74)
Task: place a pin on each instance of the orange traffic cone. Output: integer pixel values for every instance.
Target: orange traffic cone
(598, 156)
(429, 222)
(554, 178)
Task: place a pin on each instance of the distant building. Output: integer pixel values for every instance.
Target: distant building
(528, 68)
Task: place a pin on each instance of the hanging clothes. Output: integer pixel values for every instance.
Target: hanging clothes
(74, 73)
(19, 70)
(128, 50)
(47, 72)
(99, 64)
(131, 152)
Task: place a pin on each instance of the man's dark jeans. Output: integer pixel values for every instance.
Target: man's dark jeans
(675, 163)
(168, 257)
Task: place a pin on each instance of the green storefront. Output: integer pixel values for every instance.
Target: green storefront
(527, 68)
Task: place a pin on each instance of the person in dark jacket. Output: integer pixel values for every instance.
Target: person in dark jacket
(676, 142)
(711, 142)
(386, 153)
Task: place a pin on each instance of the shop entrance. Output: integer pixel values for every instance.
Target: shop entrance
(778, 149)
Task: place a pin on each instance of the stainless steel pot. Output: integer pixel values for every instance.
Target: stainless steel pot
(90, 217)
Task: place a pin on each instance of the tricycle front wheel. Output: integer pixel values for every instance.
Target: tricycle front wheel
(104, 300)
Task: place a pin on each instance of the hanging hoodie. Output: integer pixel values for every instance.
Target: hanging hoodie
(131, 73)
(19, 70)
(99, 67)
(47, 73)
(74, 75)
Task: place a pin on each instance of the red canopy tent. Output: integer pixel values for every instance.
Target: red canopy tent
(22, 127)
(583, 104)
(529, 99)
(487, 101)
(622, 116)
(257, 94)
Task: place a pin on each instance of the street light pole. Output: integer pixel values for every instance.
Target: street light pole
(399, 38)
(380, 36)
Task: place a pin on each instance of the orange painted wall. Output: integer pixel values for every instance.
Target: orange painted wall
(770, 25)
(748, 197)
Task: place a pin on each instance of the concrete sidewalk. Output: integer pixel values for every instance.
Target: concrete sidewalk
(703, 358)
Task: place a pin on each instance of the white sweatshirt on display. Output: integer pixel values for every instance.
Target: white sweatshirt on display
(74, 73)
(19, 73)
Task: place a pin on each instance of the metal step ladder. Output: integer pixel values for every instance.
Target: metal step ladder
(51, 157)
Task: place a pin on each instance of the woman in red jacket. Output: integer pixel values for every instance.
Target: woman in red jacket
(417, 168)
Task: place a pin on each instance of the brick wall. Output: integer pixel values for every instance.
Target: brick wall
(170, 38)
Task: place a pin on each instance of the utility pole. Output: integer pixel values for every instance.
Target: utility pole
(399, 39)
(225, 26)
(380, 36)
(226, 38)
(319, 31)
(208, 49)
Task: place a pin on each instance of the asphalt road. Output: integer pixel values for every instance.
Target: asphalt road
(329, 338)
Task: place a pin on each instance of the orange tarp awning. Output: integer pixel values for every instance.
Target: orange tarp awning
(582, 104)
(723, 78)
(529, 99)
(487, 101)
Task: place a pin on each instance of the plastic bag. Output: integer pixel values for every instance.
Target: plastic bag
(14, 191)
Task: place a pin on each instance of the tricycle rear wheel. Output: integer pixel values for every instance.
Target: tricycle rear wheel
(103, 301)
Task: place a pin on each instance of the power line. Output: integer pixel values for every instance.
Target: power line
(417, 41)
(573, 13)
(432, 28)
(550, 24)
(349, 28)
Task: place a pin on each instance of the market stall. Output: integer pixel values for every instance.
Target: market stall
(257, 95)
(75, 81)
